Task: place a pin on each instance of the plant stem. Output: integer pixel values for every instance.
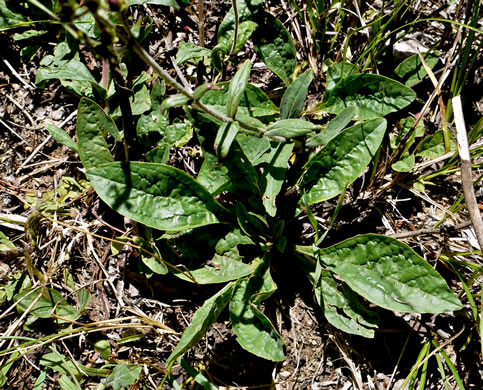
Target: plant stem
(124, 94)
(173, 83)
(237, 21)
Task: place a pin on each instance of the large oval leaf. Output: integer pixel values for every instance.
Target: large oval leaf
(156, 195)
(275, 46)
(342, 160)
(293, 100)
(390, 274)
(373, 96)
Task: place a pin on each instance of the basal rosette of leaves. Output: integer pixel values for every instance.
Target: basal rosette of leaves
(262, 165)
(258, 173)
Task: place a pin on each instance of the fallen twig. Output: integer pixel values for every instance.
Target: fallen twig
(431, 230)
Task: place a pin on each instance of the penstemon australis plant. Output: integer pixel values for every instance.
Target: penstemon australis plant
(263, 166)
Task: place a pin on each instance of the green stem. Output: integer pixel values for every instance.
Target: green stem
(237, 22)
(173, 83)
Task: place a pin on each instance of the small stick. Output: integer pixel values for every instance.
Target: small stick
(26, 85)
(431, 230)
(25, 112)
(466, 178)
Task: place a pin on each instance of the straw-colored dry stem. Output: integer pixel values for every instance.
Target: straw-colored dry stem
(466, 176)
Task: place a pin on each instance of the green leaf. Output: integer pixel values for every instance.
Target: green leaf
(6, 368)
(150, 129)
(157, 195)
(411, 70)
(92, 128)
(372, 95)
(253, 98)
(275, 47)
(141, 101)
(49, 299)
(251, 223)
(225, 137)
(253, 147)
(66, 383)
(159, 155)
(342, 160)
(390, 274)
(38, 385)
(334, 127)
(236, 173)
(289, 128)
(236, 89)
(273, 177)
(406, 126)
(19, 282)
(178, 133)
(221, 269)
(152, 262)
(29, 34)
(227, 263)
(214, 176)
(28, 53)
(293, 100)
(337, 72)
(188, 51)
(10, 17)
(405, 164)
(70, 71)
(86, 22)
(56, 362)
(253, 329)
(197, 376)
(5, 243)
(342, 308)
(245, 30)
(123, 375)
(174, 101)
(246, 10)
(433, 146)
(103, 348)
(84, 297)
(61, 136)
(204, 317)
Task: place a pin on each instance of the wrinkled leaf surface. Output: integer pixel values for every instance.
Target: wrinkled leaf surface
(342, 160)
(372, 95)
(157, 195)
(390, 274)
